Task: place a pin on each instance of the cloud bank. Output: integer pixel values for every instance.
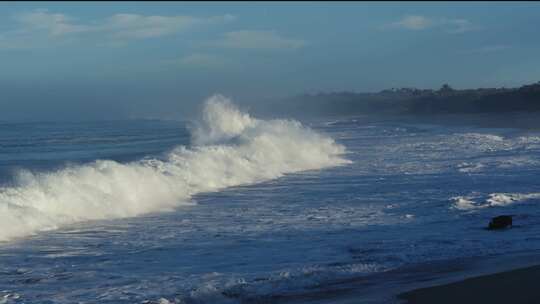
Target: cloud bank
(246, 39)
(39, 26)
(419, 23)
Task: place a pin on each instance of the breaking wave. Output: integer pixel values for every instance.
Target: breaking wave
(229, 148)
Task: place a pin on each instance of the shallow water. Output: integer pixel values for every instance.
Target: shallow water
(414, 194)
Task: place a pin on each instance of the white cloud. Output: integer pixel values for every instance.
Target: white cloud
(418, 23)
(52, 24)
(33, 27)
(139, 26)
(246, 39)
(413, 23)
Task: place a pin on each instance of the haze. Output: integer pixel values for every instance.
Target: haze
(85, 61)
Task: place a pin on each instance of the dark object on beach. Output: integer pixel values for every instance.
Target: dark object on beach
(500, 222)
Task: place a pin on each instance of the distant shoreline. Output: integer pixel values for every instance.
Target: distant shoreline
(412, 101)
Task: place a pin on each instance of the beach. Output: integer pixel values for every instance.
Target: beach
(517, 286)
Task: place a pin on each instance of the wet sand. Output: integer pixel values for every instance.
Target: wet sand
(518, 286)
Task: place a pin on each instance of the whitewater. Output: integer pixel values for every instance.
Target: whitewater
(232, 208)
(229, 148)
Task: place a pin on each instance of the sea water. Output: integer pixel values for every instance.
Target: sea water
(230, 208)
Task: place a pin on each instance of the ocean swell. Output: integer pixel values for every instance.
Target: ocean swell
(229, 148)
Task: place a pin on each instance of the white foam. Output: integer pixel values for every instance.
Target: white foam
(230, 148)
(465, 203)
(503, 199)
(475, 201)
(466, 167)
(218, 288)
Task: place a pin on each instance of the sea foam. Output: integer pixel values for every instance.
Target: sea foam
(475, 201)
(228, 148)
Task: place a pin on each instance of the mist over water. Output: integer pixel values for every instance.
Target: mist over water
(228, 148)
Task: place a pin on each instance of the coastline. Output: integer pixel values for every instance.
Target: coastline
(462, 280)
(518, 286)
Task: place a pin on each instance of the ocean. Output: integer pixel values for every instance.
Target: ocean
(230, 208)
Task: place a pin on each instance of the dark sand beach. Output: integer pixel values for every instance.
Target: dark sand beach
(518, 286)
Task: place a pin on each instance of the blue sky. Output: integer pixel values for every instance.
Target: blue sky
(152, 59)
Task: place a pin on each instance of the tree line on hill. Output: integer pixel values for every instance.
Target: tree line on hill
(414, 101)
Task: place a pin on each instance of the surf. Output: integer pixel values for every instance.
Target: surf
(228, 148)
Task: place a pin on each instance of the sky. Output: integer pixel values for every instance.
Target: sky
(116, 60)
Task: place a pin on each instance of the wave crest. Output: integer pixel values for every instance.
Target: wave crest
(229, 148)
